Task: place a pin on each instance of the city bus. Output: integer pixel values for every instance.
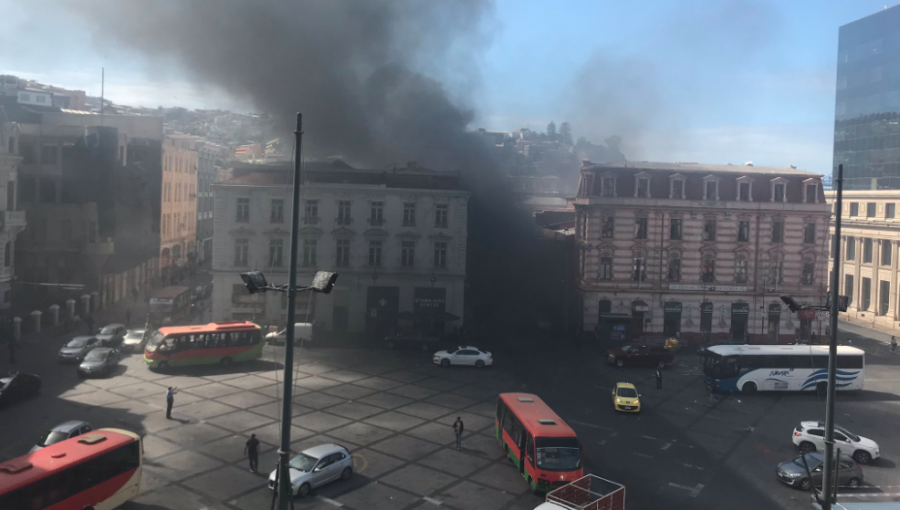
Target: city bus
(526, 427)
(204, 344)
(752, 368)
(100, 470)
(170, 305)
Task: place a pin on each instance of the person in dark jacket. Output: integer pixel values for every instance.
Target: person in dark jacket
(658, 379)
(251, 450)
(459, 428)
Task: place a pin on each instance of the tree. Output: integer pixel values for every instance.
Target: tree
(551, 130)
(565, 133)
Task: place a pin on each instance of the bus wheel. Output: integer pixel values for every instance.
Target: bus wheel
(226, 362)
(163, 366)
(749, 387)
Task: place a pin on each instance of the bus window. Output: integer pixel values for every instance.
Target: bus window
(729, 366)
(529, 449)
(802, 362)
(849, 362)
(820, 361)
(558, 453)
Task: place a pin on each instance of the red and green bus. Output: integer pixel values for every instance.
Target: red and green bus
(526, 427)
(100, 470)
(205, 344)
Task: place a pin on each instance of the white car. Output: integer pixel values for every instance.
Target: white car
(463, 355)
(809, 436)
(134, 340)
(316, 467)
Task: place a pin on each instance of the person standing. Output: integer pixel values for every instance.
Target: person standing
(251, 450)
(170, 400)
(459, 428)
(658, 379)
(893, 343)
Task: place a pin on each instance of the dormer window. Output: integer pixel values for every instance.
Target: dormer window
(608, 186)
(779, 187)
(642, 187)
(676, 187)
(711, 188)
(744, 191)
(811, 191)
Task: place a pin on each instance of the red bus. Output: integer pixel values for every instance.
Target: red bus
(526, 427)
(205, 344)
(99, 470)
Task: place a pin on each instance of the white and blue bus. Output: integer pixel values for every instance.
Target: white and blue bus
(752, 368)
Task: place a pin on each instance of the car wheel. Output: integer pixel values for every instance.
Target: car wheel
(804, 484)
(853, 482)
(749, 387)
(661, 364)
(346, 473)
(479, 364)
(862, 457)
(226, 362)
(445, 362)
(620, 363)
(807, 447)
(303, 490)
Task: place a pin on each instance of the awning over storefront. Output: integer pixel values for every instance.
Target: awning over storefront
(640, 306)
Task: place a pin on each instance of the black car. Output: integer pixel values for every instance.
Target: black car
(112, 335)
(412, 341)
(18, 386)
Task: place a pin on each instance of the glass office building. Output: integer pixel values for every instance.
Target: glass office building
(867, 109)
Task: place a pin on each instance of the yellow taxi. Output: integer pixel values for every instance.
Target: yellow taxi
(626, 398)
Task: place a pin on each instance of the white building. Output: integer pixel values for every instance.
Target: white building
(12, 220)
(398, 240)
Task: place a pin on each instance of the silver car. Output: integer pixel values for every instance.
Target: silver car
(794, 472)
(100, 361)
(77, 348)
(316, 467)
(134, 340)
(62, 432)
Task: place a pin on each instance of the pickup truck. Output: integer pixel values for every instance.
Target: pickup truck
(639, 355)
(589, 492)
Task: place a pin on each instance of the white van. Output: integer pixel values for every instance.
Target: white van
(302, 334)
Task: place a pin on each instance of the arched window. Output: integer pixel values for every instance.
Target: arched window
(674, 274)
(740, 269)
(606, 266)
(639, 267)
(809, 270)
(7, 254)
(776, 269)
(708, 268)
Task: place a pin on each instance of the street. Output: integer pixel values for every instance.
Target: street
(394, 411)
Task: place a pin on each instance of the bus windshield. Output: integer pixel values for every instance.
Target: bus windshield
(717, 366)
(156, 338)
(558, 453)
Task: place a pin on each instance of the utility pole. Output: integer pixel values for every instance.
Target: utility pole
(830, 463)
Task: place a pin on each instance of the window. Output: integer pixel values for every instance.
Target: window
(778, 231)
(243, 210)
(811, 193)
(608, 186)
(41, 99)
(808, 272)
(708, 268)
(640, 228)
(343, 217)
(809, 233)
(276, 252)
(851, 248)
(643, 188)
(440, 255)
(675, 229)
(678, 189)
(607, 227)
(639, 267)
(343, 253)
(848, 287)
(241, 250)
(277, 215)
(409, 214)
(886, 252)
(744, 192)
(311, 212)
(867, 251)
(884, 295)
(376, 213)
(674, 274)
(26, 189)
(709, 230)
(740, 269)
(606, 266)
(890, 210)
(743, 231)
(309, 252)
(48, 154)
(870, 209)
(48, 190)
(407, 253)
(776, 271)
(854, 208)
(375, 253)
(178, 192)
(712, 190)
(865, 294)
(582, 225)
(778, 192)
(441, 213)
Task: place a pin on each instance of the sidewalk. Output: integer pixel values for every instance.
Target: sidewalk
(865, 331)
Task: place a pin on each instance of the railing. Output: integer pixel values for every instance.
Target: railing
(310, 220)
(343, 220)
(376, 222)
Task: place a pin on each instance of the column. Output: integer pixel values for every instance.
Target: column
(892, 311)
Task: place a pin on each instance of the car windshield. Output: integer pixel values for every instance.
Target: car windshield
(52, 437)
(108, 330)
(303, 462)
(77, 342)
(96, 355)
(156, 338)
(558, 453)
(853, 437)
(134, 335)
(812, 462)
(626, 348)
(627, 392)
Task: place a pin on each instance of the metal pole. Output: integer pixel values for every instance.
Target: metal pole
(284, 493)
(832, 347)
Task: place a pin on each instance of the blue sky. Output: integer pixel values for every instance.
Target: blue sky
(714, 81)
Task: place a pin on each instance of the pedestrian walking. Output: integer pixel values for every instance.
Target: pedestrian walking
(893, 343)
(658, 379)
(13, 345)
(459, 428)
(251, 450)
(128, 317)
(170, 400)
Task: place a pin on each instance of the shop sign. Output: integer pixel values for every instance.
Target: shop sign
(740, 308)
(706, 307)
(775, 308)
(672, 307)
(640, 306)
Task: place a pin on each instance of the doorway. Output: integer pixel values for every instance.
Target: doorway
(672, 319)
(740, 313)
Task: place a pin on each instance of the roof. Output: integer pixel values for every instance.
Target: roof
(531, 412)
(624, 385)
(67, 426)
(322, 450)
(763, 350)
(699, 167)
(212, 326)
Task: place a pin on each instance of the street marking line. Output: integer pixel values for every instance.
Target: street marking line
(666, 447)
(697, 490)
(642, 455)
(685, 487)
(871, 494)
(650, 437)
(433, 501)
(330, 501)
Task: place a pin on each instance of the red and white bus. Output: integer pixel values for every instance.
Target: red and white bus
(527, 427)
(99, 470)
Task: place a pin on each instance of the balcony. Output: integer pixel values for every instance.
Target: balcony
(12, 221)
(343, 220)
(376, 222)
(311, 220)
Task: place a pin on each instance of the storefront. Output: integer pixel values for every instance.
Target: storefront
(429, 305)
(740, 313)
(671, 319)
(381, 311)
(638, 310)
(614, 327)
(706, 315)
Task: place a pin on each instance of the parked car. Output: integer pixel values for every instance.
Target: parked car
(626, 398)
(639, 355)
(77, 348)
(134, 340)
(793, 472)
(112, 335)
(316, 467)
(411, 341)
(303, 332)
(100, 361)
(62, 432)
(464, 355)
(18, 386)
(809, 436)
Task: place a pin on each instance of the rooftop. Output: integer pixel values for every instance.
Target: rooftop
(703, 168)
